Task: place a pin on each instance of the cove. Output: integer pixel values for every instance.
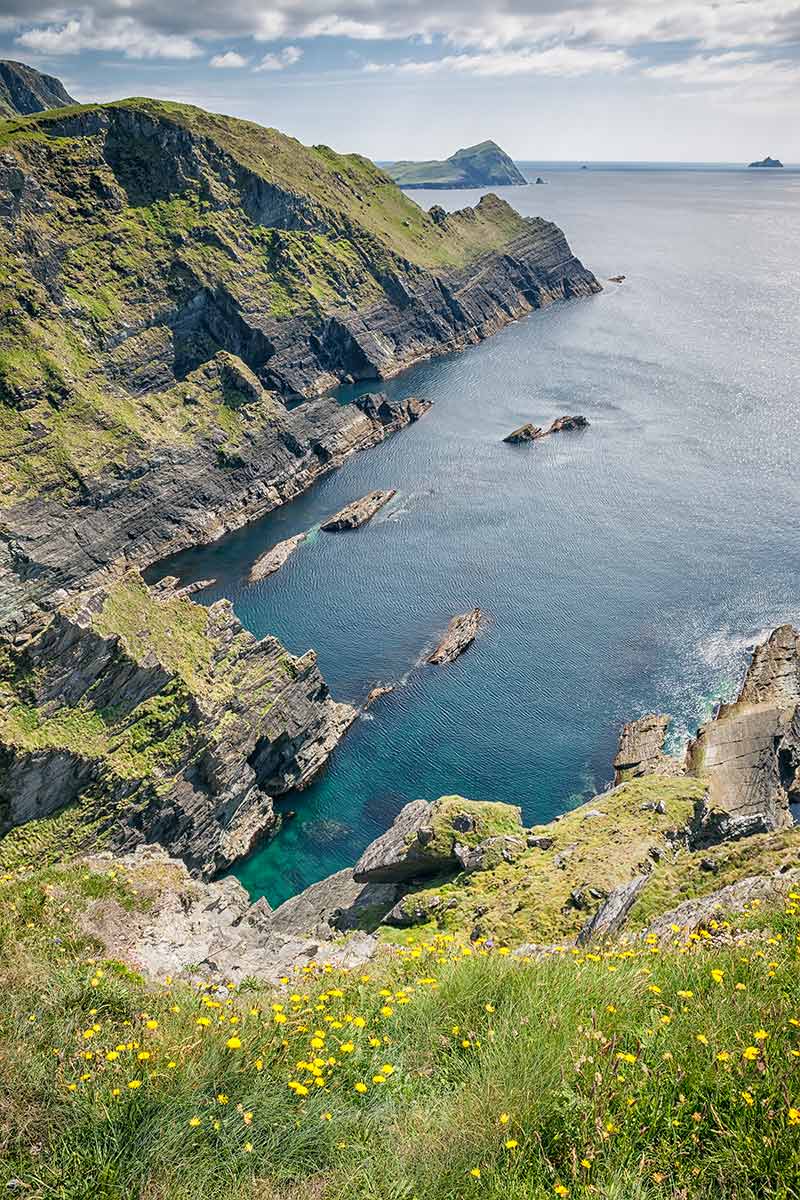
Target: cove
(626, 568)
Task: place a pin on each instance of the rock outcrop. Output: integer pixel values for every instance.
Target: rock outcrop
(427, 839)
(641, 749)
(205, 930)
(134, 717)
(767, 162)
(613, 912)
(354, 515)
(534, 433)
(272, 560)
(750, 752)
(461, 633)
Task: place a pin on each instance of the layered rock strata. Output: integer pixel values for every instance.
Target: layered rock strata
(134, 717)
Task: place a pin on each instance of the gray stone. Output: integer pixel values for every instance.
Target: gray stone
(490, 852)
(402, 852)
(612, 914)
(272, 560)
(335, 905)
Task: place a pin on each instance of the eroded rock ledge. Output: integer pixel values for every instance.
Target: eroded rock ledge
(132, 716)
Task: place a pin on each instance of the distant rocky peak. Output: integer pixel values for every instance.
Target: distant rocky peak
(24, 90)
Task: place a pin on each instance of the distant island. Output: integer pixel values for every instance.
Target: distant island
(484, 165)
(767, 162)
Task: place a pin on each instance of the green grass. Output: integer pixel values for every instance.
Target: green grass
(622, 1074)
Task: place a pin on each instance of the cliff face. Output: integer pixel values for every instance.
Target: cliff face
(137, 716)
(25, 90)
(173, 283)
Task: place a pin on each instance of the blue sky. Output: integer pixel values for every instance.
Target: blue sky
(676, 80)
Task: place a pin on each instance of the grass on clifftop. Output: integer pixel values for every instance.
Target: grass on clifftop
(443, 1071)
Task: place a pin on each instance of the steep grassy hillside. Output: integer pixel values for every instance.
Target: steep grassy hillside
(649, 1070)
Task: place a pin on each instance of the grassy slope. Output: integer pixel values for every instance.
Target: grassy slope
(601, 844)
(640, 1073)
(125, 263)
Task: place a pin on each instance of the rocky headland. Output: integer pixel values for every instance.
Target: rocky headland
(25, 90)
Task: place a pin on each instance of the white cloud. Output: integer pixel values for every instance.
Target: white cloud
(228, 61)
(555, 60)
(734, 67)
(278, 62)
(121, 33)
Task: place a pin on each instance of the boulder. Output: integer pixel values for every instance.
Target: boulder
(461, 633)
(354, 515)
(273, 559)
(380, 689)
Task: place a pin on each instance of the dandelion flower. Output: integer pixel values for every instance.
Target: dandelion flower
(475, 1172)
(194, 1122)
(134, 1084)
(511, 1143)
(234, 1043)
(360, 1088)
(504, 1118)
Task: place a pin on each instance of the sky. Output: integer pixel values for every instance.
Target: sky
(589, 80)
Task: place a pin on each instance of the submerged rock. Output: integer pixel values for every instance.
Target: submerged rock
(461, 633)
(616, 279)
(354, 515)
(272, 561)
(380, 689)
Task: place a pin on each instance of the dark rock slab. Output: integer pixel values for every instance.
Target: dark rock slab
(354, 515)
(461, 633)
(403, 852)
(526, 433)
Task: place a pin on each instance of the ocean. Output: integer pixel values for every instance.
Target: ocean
(624, 569)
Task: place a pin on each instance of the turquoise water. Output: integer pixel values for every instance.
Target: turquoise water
(625, 569)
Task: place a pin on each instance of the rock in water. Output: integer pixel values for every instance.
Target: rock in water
(767, 162)
(525, 433)
(380, 689)
(273, 559)
(567, 425)
(616, 278)
(461, 633)
(533, 433)
(354, 515)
